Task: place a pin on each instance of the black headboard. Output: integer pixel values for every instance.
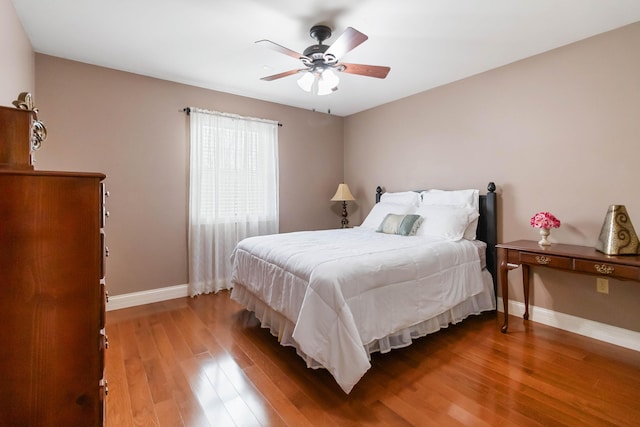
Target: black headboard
(487, 227)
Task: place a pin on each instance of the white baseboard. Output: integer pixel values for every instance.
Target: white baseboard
(589, 328)
(146, 297)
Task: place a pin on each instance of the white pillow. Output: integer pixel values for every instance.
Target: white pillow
(452, 198)
(459, 198)
(472, 228)
(446, 222)
(380, 210)
(402, 198)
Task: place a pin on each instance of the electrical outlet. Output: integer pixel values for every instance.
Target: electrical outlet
(602, 285)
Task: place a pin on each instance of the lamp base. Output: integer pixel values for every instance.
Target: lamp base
(345, 221)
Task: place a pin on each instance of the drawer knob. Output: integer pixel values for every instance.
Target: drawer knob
(541, 259)
(105, 337)
(603, 268)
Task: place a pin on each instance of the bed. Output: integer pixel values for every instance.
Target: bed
(414, 266)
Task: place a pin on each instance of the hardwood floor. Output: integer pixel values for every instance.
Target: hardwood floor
(205, 362)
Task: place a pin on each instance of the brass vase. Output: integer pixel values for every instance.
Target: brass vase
(617, 236)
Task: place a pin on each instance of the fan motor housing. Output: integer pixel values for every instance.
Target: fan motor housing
(316, 51)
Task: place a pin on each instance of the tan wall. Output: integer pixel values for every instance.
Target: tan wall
(17, 72)
(557, 132)
(133, 129)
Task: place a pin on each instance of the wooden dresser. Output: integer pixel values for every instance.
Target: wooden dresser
(52, 298)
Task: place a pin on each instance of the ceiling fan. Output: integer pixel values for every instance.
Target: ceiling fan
(322, 60)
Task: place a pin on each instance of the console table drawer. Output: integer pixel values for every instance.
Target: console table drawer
(546, 260)
(605, 269)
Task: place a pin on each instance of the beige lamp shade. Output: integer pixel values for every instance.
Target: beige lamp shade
(342, 194)
(617, 236)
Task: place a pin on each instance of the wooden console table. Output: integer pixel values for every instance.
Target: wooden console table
(578, 259)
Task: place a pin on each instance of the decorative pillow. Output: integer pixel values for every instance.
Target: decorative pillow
(380, 210)
(404, 225)
(446, 222)
(402, 197)
(459, 198)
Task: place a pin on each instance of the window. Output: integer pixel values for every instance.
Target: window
(235, 184)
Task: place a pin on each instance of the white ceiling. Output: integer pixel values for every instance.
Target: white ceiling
(210, 43)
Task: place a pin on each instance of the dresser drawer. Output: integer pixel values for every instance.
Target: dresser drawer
(546, 260)
(606, 269)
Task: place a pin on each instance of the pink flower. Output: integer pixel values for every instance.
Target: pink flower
(545, 220)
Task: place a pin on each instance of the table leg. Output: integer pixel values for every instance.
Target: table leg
(525, 286)
(504, 284)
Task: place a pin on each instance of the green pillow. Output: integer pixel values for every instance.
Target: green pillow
(404, 225)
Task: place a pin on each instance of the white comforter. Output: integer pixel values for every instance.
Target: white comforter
(346, 288)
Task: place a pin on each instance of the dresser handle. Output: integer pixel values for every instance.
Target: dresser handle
(105, 386)
(603, 269)
(543, 259)
(105, 337)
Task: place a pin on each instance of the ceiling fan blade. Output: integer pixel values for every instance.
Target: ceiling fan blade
(281, 75)
(282, 49)
(365, 70)
(349, 40)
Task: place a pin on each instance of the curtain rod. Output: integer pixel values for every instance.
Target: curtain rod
(188, 111)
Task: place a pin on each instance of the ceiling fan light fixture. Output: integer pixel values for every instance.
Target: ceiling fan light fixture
(327, 82)
(306, 81)
(329, 77)
(320, 83)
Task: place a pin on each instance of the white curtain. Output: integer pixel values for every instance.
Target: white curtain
(233, 191)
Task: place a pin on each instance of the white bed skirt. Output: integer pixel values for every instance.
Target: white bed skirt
(282, 328)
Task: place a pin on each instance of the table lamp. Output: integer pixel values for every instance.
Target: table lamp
(343, 194)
